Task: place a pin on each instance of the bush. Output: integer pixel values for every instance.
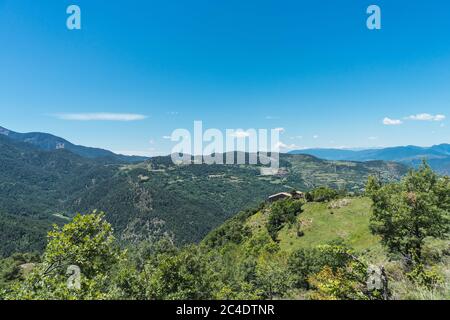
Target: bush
(303, 263)
(283, 212)
(322, 194)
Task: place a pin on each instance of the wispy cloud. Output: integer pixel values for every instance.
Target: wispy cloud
(391, 122)
(284, 146)
(102, 116)
(240, 134)
(141, 153)
(416, 117)
(426, 117)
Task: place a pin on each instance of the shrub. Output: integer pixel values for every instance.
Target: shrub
(282, 212)
(322, 194)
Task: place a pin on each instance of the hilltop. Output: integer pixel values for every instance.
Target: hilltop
(345, 220)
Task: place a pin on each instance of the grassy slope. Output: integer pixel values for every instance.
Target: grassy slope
(350, 223)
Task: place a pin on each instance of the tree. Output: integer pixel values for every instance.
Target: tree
(282, 212)
(340, 284)
(272, 277)
(322, 194)
(406, 213)
(87, 243)
(342, 275)
(302, 263)
(185, 275)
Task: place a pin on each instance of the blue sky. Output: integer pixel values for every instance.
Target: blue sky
(310, 67)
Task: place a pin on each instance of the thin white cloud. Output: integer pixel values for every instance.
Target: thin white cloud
(151, 152)
(167, 137)
(315, 136)
(373, 138)
(272, 117)
(141, 153)
(283, 146)
(391, 122)
(426, 117)
(281, 130)
(280, 145)
(102, 116)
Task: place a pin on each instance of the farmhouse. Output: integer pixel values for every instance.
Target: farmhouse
(286, 195)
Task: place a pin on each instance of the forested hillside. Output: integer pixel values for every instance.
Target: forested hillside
(151, 199)
(49, 142)
(327, 246)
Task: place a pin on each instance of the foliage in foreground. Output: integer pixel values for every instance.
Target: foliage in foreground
(407, 213)
(243, 259)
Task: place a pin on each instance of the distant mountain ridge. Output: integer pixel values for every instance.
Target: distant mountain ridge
(49, 142)
(438, 156)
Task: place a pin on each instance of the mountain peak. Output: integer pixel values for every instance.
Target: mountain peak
(4, 131)
(49, 142)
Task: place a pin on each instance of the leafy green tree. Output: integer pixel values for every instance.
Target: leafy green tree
(342, 275)
(302, 263)
(272, 277)
(15, 267)
(241, 291)
(340, 284)
(88, 243)
(322, 194)
(127, 282)
(408, 212)
(185, 275)
(282, 212)
(372, 186)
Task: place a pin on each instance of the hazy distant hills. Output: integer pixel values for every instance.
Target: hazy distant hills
(147, 199)
(48, 142)
(438, 156)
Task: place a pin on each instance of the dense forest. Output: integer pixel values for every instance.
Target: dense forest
(391, 242)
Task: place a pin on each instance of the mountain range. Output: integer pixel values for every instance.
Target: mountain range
(437, 156)
(41, 185)
(49, 142)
